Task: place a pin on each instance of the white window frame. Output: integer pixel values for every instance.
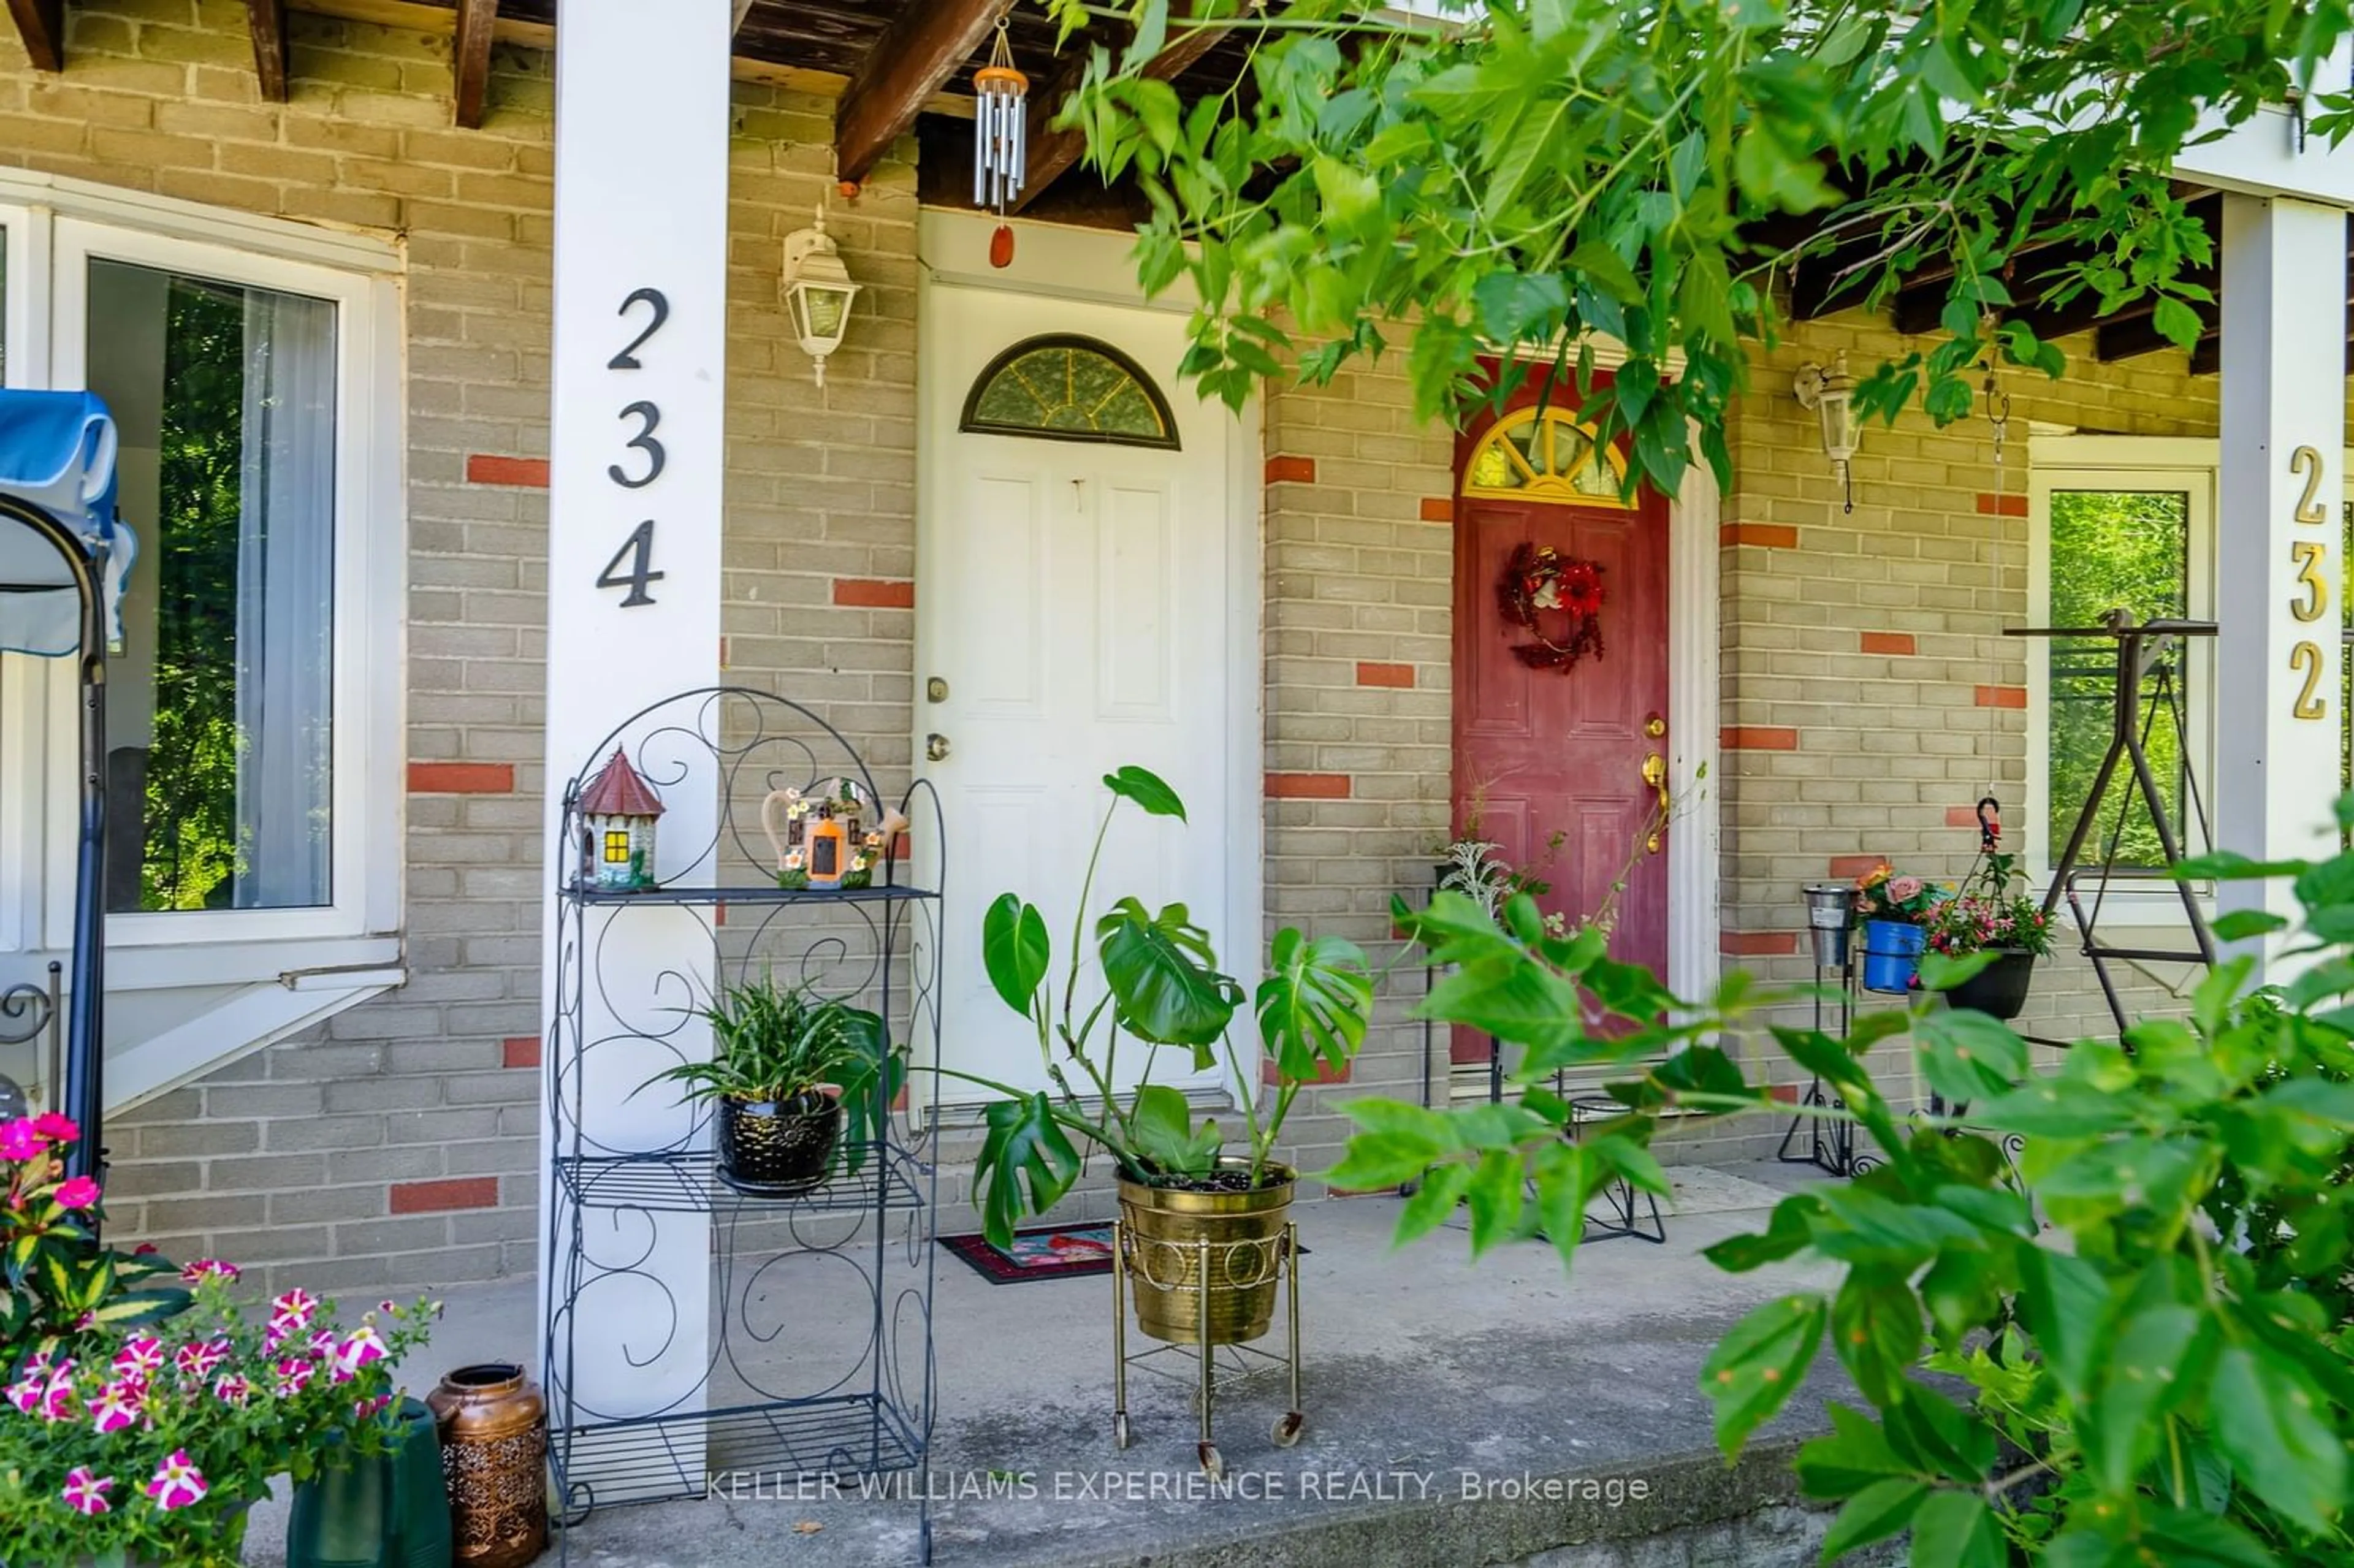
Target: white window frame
(362, 274)
(2120, 463)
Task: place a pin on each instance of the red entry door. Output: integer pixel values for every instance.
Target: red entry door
(1550, 763)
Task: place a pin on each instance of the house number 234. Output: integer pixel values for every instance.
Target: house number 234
(631, 567)
(2310, 558)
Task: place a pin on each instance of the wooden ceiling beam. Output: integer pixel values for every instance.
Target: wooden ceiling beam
(478, 21)
(267, 19)
(1052, 153)
(41, 24)
(923, 46)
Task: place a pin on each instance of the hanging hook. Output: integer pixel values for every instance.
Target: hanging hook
(1990, 824)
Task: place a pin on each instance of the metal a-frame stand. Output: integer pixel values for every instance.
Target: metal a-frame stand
(2146, 652)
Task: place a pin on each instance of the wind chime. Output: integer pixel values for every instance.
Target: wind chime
(1001, 128)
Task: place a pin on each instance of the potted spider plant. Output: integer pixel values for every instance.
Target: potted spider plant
(1182, 1185)
(785, 1066)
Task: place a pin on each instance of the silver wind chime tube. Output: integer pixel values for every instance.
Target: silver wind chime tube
(999, 129)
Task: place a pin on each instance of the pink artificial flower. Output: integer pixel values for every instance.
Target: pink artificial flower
(117, 1407)
(177, 1483)
(206, 1268)
(20, 1140)
(140, 1357)
(196, 1360)
(358, 1351)
(293, 1376)
(56, 1127)
(232, 1389)
(1904, 889)
(78, 1193)
(85, 1493)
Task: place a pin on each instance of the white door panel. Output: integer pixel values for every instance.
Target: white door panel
(1073, 597)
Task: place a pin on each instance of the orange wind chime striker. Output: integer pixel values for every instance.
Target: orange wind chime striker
(1001, 128)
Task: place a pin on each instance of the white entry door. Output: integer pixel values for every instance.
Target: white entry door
(1072, 608)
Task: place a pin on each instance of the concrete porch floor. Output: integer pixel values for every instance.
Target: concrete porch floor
(1424, 1371)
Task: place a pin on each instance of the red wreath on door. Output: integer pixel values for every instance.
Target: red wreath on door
(1540, 581)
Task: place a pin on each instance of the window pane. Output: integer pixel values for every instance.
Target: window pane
(2115, 549)
(219, 728)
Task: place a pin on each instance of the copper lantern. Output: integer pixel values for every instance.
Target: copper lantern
(493, 1427)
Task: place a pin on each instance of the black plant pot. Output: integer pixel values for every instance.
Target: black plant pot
(776, 1150)
(1999, 990)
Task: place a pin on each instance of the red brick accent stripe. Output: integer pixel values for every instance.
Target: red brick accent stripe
(1438, 509)
(1769, 535)
(875, 593)
(1307, 786)
(1372, 675)
(1961, 816)
(487, 468)
(1271, 1073)
(1757, 737)
(2002, 505)
(520, 1050)
(462, 778)
(2001, 696)
(1294, 470)
(1888, 642)
(1851, 867)
(1756, 944)
(436, 1197)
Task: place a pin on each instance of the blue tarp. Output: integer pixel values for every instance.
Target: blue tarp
(56, 451)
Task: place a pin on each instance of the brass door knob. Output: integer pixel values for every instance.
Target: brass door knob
(1655, 727)
(1655, 774)
(936, 746)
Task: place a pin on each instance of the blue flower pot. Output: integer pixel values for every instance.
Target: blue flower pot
(1892, 953)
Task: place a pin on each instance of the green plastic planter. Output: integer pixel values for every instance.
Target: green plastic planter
(386, 1512)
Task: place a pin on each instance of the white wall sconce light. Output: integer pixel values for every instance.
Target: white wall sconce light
(818, 292)
(1831, 394)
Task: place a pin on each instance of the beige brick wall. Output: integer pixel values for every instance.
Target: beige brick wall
(398, 1144)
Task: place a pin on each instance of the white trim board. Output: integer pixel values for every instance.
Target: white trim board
(1694, 633)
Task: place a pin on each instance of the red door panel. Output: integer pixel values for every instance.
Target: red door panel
(1549, 762)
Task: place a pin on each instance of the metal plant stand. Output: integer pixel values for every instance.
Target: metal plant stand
(1829, 1143)
(1239, 1264)
(2147, 656)
(820, 1364)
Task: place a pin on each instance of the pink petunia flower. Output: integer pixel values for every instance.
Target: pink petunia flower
(177, 1482)
(58, 1399)
(369, 1409)
(323, 1344)
(206, 1268)
(297, 1304)
(141, 1357)
(117, 1405)
(20, 1140)
(232, 1389)
(293, 1376)
(196, 1360)
(85, 1493)
(56, 1127)
(81, 1193)
(363, 1347)
(26, 1395)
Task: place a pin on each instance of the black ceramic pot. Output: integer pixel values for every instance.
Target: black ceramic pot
(1999, 990)
(777, 1149)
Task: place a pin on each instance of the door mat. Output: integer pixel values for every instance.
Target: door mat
(1042, 1252)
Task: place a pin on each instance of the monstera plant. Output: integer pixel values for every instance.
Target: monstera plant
(1160, 989)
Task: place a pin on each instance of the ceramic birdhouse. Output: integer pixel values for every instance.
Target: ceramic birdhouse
(616, 812)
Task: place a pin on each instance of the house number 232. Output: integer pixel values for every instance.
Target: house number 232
(631, 567)
(2310, 558)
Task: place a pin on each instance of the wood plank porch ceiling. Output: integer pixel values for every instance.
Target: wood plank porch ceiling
(892, 63)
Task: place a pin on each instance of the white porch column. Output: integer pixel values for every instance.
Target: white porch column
(633, 593)
(2284, 427)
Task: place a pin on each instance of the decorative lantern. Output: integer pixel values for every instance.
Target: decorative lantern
(617, 829)
(1831, 395)
(1000, 132)
(493, 1427)
(818, 291)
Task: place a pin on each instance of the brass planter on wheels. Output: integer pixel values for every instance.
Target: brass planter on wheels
(1204, 1268)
